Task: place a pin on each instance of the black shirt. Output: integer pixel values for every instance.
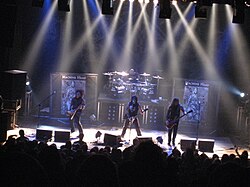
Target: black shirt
(76, 102)
(133, 109)
(174, 112)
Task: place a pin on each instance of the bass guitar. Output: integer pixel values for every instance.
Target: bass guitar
(72, 113)
(131, 119)
(171, 123)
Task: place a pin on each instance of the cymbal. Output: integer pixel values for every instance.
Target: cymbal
(123, 73)
(108, 74)
(115, 72)
(157, 77)
(145, 75)
(127, 83)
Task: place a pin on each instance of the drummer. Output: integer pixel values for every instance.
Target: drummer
(133, 76)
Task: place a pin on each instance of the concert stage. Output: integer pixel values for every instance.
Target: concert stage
(222, 145)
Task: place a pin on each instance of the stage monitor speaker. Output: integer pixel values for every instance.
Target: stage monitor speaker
(206, 146)
(112, 140)
(62, 136)
(188, 143)
(4, 123)
(43, 135)
(144, 139)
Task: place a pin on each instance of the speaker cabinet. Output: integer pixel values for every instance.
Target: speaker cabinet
(188, 143)
(206, 146)
(62, 136)
(4, 123)
(144, 139)
(13, 85)
(43, 135)
(109, 112)
(112, 140)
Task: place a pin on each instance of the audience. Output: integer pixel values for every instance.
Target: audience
(22, 137)
(33, 163)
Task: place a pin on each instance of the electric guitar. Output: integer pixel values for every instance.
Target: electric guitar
(131, 119)
(171, 123)
(72, 113)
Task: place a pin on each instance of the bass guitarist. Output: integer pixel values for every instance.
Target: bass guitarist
(77, 106)
(173, 114)
(133, 109)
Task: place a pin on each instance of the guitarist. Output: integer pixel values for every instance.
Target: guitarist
(173, 113)
(133, 109)
(77, 106)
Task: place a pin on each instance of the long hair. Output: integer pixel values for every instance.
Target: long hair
(80, 91)
(174, 100)
(134, 98)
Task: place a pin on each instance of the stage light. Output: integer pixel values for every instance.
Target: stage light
(64, 5)
(247, 3)
(238, 11)
(165, 9)
(200, 12)
(37, 3)
(156, 2)
(244, 98)
(223, 2)
(207, 2)
(159, 139)
(27, 83)
(242, 94)
(107, 7)
(93, 117)
(174, 3)
(200, 9)
(185, 1)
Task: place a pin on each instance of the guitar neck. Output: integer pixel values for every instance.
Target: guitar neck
(181, 116)
(184, 115)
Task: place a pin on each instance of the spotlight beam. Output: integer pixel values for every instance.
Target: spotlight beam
(37, 40)
(65, 55)
(212, 31)
(240, 48)
(130, 38)
(209, 69)
(109, 39)
(90, 40)
(178, 24)
(84, 38)
(174, 67)
(126, 55)
(152, 55)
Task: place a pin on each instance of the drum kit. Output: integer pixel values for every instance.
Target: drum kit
(123, 83)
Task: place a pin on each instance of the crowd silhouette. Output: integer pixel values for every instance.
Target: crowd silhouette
(33, 163)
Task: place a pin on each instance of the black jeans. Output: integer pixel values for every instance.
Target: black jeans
(174, 132)
(128, 123)
(76, 122)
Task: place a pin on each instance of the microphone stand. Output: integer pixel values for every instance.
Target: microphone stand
(39, 107)
(198, 122)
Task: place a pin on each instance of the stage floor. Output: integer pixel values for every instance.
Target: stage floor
(222, 145)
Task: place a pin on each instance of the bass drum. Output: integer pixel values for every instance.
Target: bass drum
(147, 93)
